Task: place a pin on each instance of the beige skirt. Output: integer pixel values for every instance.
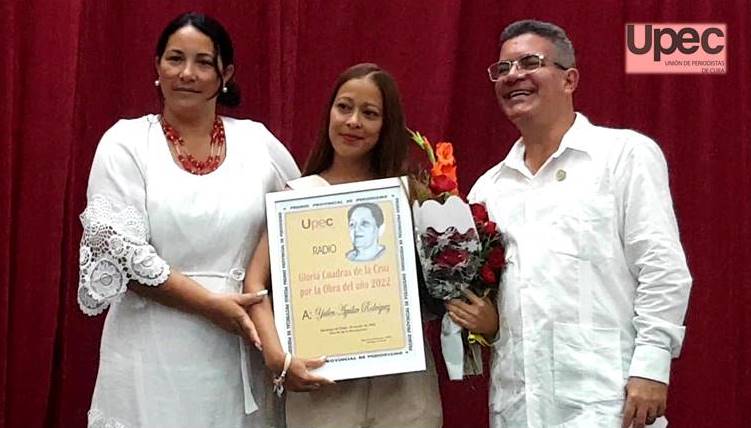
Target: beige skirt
(403, 400)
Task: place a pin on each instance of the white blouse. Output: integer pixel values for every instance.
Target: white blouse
(161, 367)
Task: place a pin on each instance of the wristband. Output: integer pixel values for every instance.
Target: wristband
(279, 380)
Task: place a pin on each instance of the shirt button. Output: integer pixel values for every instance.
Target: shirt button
(560, 175)
(237, 274)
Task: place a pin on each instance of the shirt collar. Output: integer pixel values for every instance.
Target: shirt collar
(575, 138)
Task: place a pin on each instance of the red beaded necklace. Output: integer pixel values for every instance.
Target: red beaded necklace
(188, 162)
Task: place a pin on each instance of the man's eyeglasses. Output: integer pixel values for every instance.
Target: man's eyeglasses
(527, 64)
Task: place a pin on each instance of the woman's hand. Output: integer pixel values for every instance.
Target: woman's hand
(230, 312)
(299, 377)
(478, 316)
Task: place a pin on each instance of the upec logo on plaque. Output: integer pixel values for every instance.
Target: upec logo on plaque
(674, 48)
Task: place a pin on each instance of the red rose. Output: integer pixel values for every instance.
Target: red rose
(450, 257)
(488, 276)
(442, 183)
(489, 228)
(430, 239)
(479, 213)
(496, 258)
(455, 235)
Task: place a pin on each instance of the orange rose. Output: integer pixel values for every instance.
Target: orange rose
(444, 153)
(445, 163)
(444, 169)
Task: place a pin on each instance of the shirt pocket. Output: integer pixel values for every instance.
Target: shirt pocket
(582, 227)
(587, 364)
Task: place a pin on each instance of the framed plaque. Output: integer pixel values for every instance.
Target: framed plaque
(344, 279)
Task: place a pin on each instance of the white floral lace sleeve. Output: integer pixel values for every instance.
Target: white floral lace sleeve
(115, 245)
(114, 250)
(97, 419)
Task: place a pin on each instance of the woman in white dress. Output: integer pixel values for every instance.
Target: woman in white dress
(175, 207)
(363, 138)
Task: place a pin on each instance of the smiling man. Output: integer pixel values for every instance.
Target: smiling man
(596, 285)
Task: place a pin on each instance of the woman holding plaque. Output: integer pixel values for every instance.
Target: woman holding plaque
(175, 207)
(363, 137)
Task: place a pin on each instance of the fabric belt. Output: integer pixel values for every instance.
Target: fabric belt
(234, 279)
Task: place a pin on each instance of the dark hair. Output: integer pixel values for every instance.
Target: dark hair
(222, 47)
(389, 156)
(375, 210)
(552, 32)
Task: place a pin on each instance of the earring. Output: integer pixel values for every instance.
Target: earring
(156, 83)
(224, 89)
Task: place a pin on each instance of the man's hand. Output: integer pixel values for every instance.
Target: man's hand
(478, 316)
(646, 401)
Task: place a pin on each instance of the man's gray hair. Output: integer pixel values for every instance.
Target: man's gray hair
(552, 32)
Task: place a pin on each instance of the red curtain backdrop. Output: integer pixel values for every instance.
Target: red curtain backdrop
(70, 68)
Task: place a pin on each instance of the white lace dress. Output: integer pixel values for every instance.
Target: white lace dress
(160, 367)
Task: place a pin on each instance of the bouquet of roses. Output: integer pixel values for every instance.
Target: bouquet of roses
(459, 247)
(492, 255)
(453, 261)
